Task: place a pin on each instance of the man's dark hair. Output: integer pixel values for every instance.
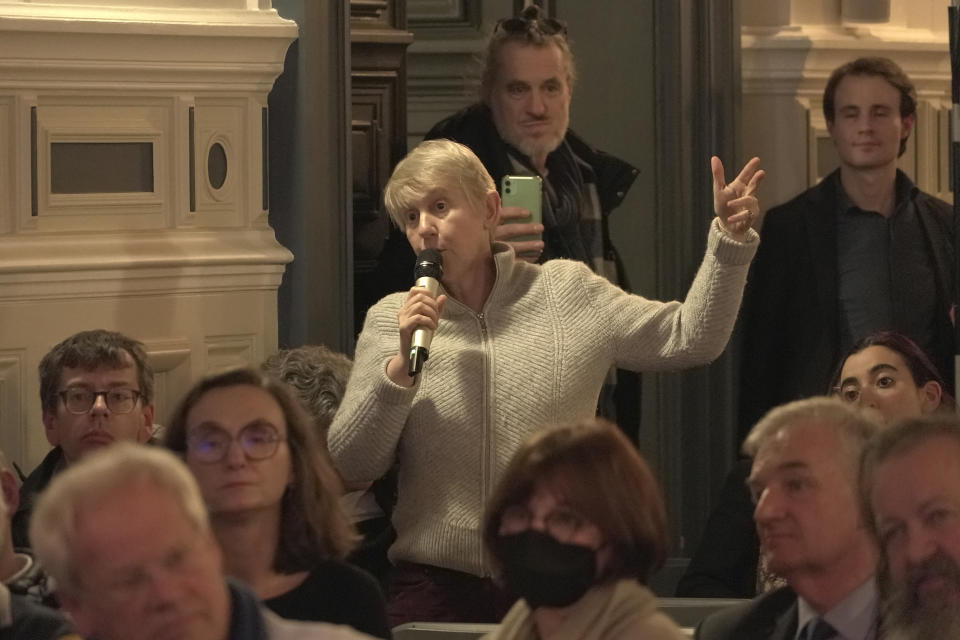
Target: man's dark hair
(881, 67)
(90, 350)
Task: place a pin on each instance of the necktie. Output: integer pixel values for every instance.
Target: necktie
(819, 629)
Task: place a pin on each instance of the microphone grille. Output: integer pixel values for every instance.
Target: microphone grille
(429, 265)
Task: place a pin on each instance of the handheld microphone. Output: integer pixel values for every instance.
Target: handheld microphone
(427, 274)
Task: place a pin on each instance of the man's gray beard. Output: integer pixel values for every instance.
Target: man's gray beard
(532, 149)
(905, 617)
(942, 624)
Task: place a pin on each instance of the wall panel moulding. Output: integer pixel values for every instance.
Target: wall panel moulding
(789, 48)
(132, 189)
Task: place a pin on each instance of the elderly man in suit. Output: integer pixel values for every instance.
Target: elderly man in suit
(910, 483)
(804, 483)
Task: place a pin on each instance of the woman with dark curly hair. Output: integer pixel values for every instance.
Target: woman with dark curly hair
(274, 499)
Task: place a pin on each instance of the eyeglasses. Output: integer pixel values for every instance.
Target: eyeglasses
(79, 400)
(546, 26)
(258, 440)
(561, 523)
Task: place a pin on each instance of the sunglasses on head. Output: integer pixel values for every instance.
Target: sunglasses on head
(546, 26)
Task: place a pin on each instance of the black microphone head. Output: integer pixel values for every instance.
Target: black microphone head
(429, 265)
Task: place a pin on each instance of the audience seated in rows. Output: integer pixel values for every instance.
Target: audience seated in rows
(319, 377)
(804, 481)
(910, 487)
(96, 388)
(125, 534)
(886, 374)
(274, 499)
(575, 527)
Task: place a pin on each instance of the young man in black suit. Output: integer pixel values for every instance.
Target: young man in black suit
(863, 251)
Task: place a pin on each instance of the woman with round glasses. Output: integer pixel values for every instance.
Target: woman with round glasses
(889, 375)
(273, 499)
(575, 527)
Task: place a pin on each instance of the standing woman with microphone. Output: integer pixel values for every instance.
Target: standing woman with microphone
(516, 346)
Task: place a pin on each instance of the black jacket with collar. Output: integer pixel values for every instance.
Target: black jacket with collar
(31, 488)
(791, 310)
(772, 616)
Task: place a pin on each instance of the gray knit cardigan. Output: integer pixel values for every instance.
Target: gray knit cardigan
(536, 355)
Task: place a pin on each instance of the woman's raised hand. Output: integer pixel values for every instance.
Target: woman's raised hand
(736, 203)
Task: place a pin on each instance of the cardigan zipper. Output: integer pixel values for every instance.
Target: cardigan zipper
(486, 392)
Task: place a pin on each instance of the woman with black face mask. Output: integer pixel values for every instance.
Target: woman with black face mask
(575, 528)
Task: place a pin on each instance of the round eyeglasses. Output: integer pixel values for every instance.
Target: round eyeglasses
(79, 400)
(258, 441)
(561, 523)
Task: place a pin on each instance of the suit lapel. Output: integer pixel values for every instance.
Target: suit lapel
(785, 626)
(941, 250)
(822, 240)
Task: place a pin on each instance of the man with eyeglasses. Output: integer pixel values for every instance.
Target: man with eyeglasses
(96, 388)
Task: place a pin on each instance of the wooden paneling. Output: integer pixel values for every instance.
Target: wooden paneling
(378, 43)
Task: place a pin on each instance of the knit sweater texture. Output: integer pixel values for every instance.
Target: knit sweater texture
(536, 355)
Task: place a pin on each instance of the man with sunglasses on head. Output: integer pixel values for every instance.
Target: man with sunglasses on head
(96, 388)
(521, 127)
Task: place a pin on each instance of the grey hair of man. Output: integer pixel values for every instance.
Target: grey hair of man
(903, 616)
(53, 526)
(534, 35)
(436, 164)
(318, 374)
(854, 428)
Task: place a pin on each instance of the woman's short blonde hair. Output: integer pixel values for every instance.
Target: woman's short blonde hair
(436, 164)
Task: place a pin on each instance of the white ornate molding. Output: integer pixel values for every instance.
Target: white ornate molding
(133, 188)
(785, 68)
(62, 46)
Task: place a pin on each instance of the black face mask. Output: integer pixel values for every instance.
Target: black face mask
(544, 571)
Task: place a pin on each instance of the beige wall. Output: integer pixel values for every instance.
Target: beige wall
(789, 49)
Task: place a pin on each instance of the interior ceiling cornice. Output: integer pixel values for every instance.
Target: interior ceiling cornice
(798, 61)
(70, 47)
